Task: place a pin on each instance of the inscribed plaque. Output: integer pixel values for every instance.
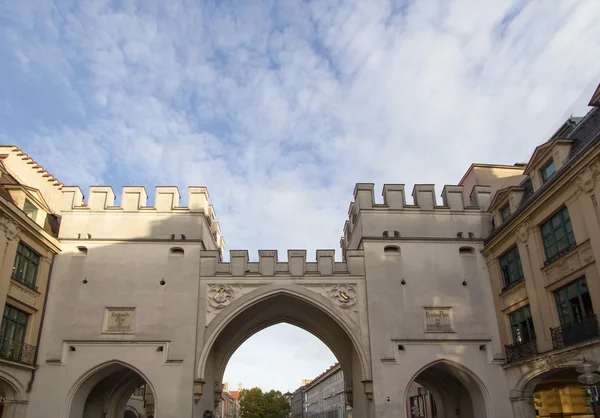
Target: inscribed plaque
(438, 319)
(119, 320)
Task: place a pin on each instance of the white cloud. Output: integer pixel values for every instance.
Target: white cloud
(280, 107)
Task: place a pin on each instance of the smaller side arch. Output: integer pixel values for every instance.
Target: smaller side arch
(88, 381)
(474, 386)
(133, 413)
(11, 386)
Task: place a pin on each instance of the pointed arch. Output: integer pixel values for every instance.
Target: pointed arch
(307, 298)
(82, 388)
(12, 387)
(445, 371)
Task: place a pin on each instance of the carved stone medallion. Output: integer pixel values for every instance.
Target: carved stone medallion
(343, 295)
(585, 180)
(523, 231)
(220, 296)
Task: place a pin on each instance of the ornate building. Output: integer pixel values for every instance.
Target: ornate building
(29, 198)
(542, 257)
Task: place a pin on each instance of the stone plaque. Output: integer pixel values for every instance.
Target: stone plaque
(119, 320)
(438, 319)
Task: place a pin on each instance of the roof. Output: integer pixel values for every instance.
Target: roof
(516, 166)
(585, 136)
(235, 394)
(595, 100)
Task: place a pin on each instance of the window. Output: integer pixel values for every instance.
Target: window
(29, 209)
(26, 266)
(521, 325)
(547, 171)
(510, 266)
(505, 212)
(573, 302)
(14, 324)
(557, 233)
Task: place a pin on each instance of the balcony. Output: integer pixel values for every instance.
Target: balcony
(575, 332)
(520, 351)
(17, 351)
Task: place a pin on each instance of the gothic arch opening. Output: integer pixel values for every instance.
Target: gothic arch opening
(237, 323)
(446, 390)
(557, 392)
(113, 390)
(8, 401)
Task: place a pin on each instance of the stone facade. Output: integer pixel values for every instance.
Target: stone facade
(142, 292)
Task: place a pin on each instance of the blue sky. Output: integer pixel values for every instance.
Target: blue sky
(280, 107)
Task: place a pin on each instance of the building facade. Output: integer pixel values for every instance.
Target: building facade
(297, 403)
(326, 395)
(140, 293)
(29, 197)
(545, 278)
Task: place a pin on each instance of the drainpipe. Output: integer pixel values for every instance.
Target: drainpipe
(39, 337)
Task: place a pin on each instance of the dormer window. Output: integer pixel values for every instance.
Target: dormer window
(505, 212)
(29, 209)
(547, 170)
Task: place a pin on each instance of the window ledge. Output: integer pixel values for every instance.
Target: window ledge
(511, 288)
(6, 362)
(560, 254)
(553, 352)
(25, 287)
(569, 262)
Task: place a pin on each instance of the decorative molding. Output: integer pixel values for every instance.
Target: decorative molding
(220, 295)
(574, 260)
(523, 231)
(23, 294)
(585, 180)
(343, 295)
(554, 361)
(10, 227)
(218, 299)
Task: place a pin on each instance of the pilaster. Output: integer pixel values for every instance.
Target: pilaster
(587, 200)
(9, 235)
(523, 405)
(531, 262)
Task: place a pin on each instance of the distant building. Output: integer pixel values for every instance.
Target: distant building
(297, 402)
(229, 406)
(323, 397)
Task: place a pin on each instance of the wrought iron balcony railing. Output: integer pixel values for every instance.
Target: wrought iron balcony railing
(520, 351)
(575, 332)
(17, 351)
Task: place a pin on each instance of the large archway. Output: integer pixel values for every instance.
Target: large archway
(293, 305)
(109, 391)
(448, 391)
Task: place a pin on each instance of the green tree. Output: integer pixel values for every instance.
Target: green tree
(256, 404)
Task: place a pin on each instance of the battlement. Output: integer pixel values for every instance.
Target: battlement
(394, 198)
(455, 203)
(269, 265)
(133, 201)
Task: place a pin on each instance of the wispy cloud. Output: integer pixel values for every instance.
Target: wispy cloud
(280, 107)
